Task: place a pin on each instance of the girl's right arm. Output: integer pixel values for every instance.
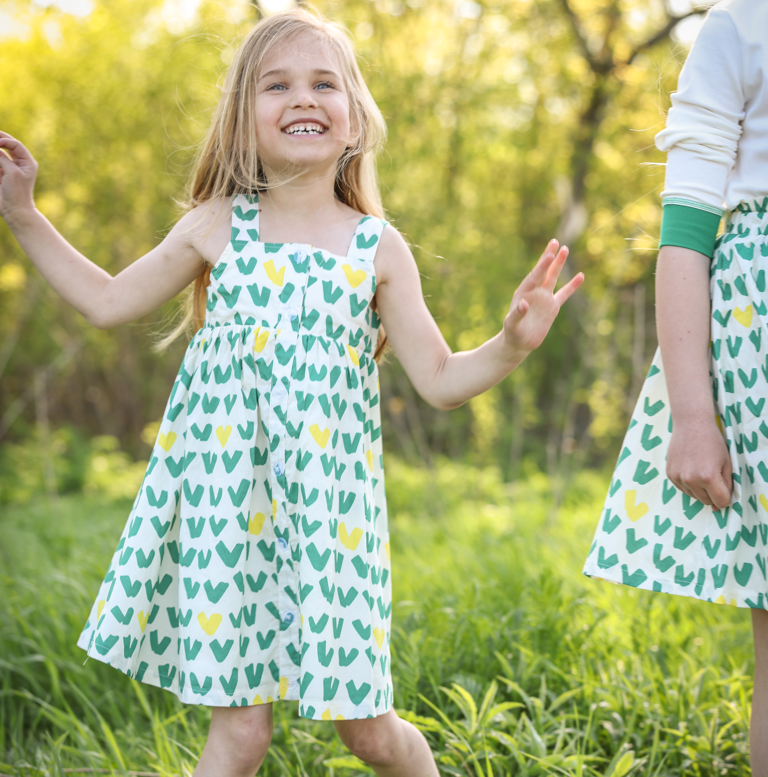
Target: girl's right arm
(701, 140)
(105, 301)
(697, 462)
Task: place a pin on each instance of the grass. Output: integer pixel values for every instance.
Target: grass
(508, 659)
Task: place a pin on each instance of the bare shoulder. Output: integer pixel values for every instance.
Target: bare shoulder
(393, 256)
(206, 228)
(207, 215)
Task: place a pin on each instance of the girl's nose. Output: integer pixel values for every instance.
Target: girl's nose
(304, 97)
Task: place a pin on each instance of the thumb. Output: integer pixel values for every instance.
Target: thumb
(721, 492)
(518, 311)
(6, 163)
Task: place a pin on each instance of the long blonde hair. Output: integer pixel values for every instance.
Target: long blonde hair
(228, 161)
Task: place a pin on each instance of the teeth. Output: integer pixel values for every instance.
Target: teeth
(305, 129)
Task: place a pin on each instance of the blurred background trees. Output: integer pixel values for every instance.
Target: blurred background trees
(510, 122)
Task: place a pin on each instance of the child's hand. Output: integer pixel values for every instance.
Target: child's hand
(535, 305)
(698, 462)
(18, 170)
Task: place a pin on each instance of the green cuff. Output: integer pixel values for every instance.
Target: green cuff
(689, 227)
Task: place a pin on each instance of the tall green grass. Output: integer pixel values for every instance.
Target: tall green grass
(508, 659)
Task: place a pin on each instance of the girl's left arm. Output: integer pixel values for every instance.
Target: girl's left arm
(445, 379)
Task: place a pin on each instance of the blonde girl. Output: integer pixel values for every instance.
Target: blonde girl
(255, 564)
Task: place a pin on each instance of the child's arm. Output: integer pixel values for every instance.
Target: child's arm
(444, 379)
(698, 462)
(103, 300)
(702, 138)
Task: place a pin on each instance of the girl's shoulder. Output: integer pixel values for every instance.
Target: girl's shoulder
(207, 227)
(210, 212)
(393, 255)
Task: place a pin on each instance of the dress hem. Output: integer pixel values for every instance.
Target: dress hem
(320, 709)
(667, 586)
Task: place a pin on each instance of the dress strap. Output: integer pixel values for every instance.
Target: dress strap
(365, 241)
(245, 216)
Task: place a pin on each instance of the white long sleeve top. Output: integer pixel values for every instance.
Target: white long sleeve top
(716, 136)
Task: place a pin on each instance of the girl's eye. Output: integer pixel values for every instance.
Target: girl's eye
(275, 87)
(324, 85)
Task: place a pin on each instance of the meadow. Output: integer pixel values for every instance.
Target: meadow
(509, 660)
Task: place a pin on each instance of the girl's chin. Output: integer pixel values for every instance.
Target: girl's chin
(303, 163)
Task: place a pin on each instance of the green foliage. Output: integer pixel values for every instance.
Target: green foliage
(490, 129)
(95, 466)
(22, 465)
(507, 659)
(111, 473)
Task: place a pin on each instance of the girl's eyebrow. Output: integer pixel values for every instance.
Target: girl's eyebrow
(316, 72)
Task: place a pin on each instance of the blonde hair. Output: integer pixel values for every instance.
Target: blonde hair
(228, 161)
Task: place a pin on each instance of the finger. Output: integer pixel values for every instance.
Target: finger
(673, 475)
(720, 495)
(538, 274)
(555, 269)
(727, 471)
(722, 491)
(699, 494)
(695, 488)
(15, 148)
(517, 313)
(677, 482)
(567, 291)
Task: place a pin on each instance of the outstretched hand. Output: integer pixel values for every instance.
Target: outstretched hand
(535, 304)
(18, 171)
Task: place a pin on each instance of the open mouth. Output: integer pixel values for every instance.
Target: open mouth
(305, 128)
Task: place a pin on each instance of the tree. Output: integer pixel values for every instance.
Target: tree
(510, 121)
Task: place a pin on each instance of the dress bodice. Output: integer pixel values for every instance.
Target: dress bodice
(294, 286)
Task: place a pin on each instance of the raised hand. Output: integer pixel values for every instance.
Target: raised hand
(18, 171)
(535, 304)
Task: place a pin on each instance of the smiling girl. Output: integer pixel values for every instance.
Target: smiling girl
(255, 564)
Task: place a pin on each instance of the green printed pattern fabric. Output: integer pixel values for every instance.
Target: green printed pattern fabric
(255, 562)
(653, 536)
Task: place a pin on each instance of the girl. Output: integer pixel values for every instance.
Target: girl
(255, 563)
(702, 530)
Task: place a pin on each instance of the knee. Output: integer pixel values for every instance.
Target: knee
(251, 739)
(372, 745)
(246, 734)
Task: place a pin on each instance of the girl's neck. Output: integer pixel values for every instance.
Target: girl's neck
(306, 210)
(306, 199)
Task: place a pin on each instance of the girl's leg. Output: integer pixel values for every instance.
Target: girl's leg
(758, 725)
(388, 744)
(237, 743)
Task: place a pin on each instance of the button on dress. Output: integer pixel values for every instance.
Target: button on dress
(254, 565)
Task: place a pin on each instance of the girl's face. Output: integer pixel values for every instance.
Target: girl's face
(302, 107)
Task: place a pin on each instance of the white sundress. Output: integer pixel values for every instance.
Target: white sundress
(254, 565)
(653, 536)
